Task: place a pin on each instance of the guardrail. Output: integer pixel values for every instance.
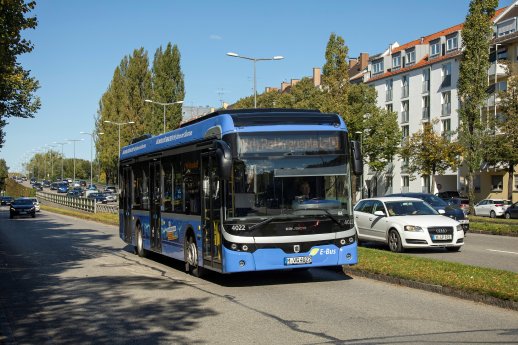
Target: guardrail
(83, 204)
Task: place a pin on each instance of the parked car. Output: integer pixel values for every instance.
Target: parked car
(462, 203)
(22, 206)
(438, 204)
(98, 197)
(511, 211)
(445, 195)
(36, 203)
(404, 222)
(491, 207)
(6, 200)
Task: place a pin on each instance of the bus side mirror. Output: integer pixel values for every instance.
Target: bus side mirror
(357, 159)
(224, 159)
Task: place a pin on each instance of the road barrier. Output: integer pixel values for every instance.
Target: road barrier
(84, 204)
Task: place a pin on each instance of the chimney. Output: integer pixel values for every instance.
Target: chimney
(364, 61)
(284, 85)
(316, 76)
(390, 48)
(422, 40)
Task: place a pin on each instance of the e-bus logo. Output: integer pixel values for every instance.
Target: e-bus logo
(321, 251)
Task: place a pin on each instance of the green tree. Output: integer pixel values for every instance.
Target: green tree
(335, 77)
(429, 153)
(4, 173)
(502, 146)
(168, 85)
(476, 37)
(17, 87)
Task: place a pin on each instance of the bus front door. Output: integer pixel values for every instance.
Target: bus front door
(155, 198)
(211, 192)
(126, 196)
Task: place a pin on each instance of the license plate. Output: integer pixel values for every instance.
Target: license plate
(442, 237)
(299, 260)
(22, 212)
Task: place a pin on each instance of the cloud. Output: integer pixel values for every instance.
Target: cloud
(215, 37)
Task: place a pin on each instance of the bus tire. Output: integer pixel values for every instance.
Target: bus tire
(140, 243)
(191, 257)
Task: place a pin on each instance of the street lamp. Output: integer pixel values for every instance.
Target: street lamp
(360, 134)
(51, 161)
(74, 141)
(119, 124)
(91, 150)
(254, 60)
(62, 157)
(162, 104)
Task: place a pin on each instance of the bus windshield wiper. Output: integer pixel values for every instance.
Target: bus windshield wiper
(267, 221)
(328, 214)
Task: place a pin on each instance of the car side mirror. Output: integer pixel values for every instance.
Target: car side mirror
(379, 213)
(442, 211)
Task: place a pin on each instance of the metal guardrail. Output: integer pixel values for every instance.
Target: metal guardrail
(83, 204)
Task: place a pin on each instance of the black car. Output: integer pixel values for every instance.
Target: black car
(448, 194)
(21, 207)
(73, 193)
(6, 200)
(37, 186)
(98, 197)
(511, 211)
(452, 211)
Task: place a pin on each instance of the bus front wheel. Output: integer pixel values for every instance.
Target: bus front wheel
(191, 258)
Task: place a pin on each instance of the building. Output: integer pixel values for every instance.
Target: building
(418, 80)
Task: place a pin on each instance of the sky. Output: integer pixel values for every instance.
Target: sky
(78, 44)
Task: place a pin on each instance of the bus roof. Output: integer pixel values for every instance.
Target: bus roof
(221, 122)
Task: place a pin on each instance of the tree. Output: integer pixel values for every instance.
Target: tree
(4, 173)
(502, 146)
(335, 77)
(17, 87)
(476, 37)
(168, 84)
(429, 153)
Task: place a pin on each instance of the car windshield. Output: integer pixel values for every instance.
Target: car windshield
(406, 208)
(22, 202)
(433, 200)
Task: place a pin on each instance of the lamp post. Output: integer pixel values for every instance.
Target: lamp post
(254, 60)
(74, 141)
(119, 124)
(91, 150)
(51, 161)
(162, 104)
(360, 134)
(62, 157)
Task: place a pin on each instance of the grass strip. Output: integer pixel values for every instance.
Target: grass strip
(105, 218)
(484, 281)
(494, 226)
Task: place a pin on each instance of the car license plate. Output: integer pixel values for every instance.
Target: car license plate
(22, 212)
(298, 260)
(441, 237)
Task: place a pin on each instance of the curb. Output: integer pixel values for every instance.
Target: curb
(471, 296)
(491, 233)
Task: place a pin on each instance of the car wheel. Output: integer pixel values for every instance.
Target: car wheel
(394, 241)
(33, 215)
(453, 249)
(492, 214)
(507, 215)
(140, 243)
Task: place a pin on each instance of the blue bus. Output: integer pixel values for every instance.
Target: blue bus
(243, 190)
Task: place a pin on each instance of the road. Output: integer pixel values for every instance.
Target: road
(500, 252)
(68, 281)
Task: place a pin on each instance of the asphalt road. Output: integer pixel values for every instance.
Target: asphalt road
(68, 281)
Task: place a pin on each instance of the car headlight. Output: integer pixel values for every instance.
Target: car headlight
(12, 209)
(459, 228)
(413, 228)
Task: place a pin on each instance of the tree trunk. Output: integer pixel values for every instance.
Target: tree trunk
(510, 169)
(471, 192)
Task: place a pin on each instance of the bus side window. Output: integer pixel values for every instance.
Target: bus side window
(177, 187)
(137, 187)
(168, 186)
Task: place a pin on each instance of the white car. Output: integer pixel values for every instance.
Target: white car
(406, 223)
(491, 207)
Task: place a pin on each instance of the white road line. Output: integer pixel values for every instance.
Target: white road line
(502, 251)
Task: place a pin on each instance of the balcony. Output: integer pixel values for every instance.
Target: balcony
(446, 109)
(498, 68)
(404, 117)
(426, 114)
(426, 86)
(446, 81)
(404, 91)
(388, 95)
(491, 101)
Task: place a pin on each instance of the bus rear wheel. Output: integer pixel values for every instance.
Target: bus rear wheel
(191, 257)
(140, 243)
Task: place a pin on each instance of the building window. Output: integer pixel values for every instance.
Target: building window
(426, 108)
(390, 108)
(377, 66)
(405, 182)
(426, 80)
(405, 131)
(404, 89)
(446, 129)
(446, 75)
(388, 92)
(497, 181)
(452, 42)
(426, 183)
(446, 103)
(388, 184)
(435, 48)
(396, 61)
(410, 56)
(404, 112)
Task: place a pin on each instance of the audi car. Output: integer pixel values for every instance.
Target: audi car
(406, 223)
(22, 207)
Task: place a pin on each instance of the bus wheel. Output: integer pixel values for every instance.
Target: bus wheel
(140, 243)
(191, 258)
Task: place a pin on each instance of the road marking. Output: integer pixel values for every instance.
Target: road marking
(502, 251)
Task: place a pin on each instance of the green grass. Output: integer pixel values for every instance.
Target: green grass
(105, 218)
(495, 226)
(16, 190)
(484, 281)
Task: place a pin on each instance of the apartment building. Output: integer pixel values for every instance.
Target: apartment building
(418, 80)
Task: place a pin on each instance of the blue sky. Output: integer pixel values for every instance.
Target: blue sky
(79, 43)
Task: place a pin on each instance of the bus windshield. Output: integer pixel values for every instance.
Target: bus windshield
(270, 186)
